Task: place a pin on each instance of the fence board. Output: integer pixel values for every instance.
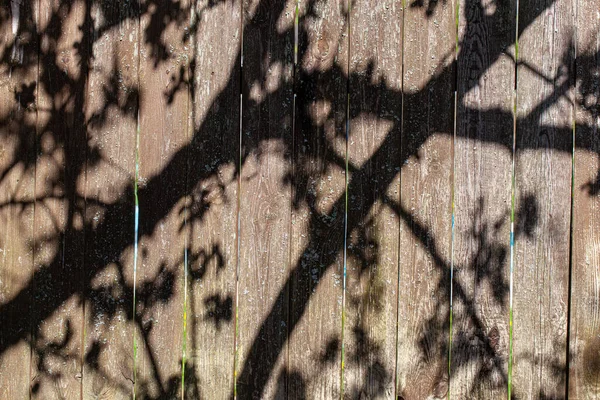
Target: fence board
(163, 133)
(319, 202)
(426, 199)
(111, 114)
(265, 196)
(584, 367)
(483, 167)
(544, 140)
(57, 304)
(213, 182)
(372, 246)
(18, 77)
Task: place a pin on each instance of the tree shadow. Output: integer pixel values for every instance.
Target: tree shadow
(44, 130)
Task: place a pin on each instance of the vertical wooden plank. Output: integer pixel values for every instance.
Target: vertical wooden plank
(111, 114)
(543, 198)
(319, 155)
(426, 197)
(584, 340)
(213, 184)
(18, 84)
(265, 196)
(372, 263)
(163, 131)
(483, 172)
(60, 204)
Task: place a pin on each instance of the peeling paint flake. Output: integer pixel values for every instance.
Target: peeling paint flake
(15, 8)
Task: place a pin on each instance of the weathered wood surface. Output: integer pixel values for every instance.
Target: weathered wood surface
(370, 326)
(18, 84)
(265, 196)
(56, 371)
(111, 116)
(426, 200)
(163, 135)
(318, 158)
(482, 187)
(544, 140)
(213, 185)
(240, 285)
(584, 339)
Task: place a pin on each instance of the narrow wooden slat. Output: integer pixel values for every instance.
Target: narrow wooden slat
(584, 367)
(60, 205)
(265, 197)
(544, 140)
(18, 101)
(483, 171)
(372, 266)
(319, 202)
(163, 133)
(111, 115)
(213, 185)
(426, 198)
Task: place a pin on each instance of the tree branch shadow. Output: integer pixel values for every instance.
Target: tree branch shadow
(203, 157)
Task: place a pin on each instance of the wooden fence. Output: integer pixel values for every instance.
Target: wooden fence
(375, 199)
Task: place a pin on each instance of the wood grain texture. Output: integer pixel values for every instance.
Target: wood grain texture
(163, 135)
(483, 170)
(67, 145)
(60, 203)
(18, 82)
(265, 196)
(544, 140)
(111, 115)
(584, 339)
(426, 200)
(372, 267)
(319, 202)
(213, 186)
